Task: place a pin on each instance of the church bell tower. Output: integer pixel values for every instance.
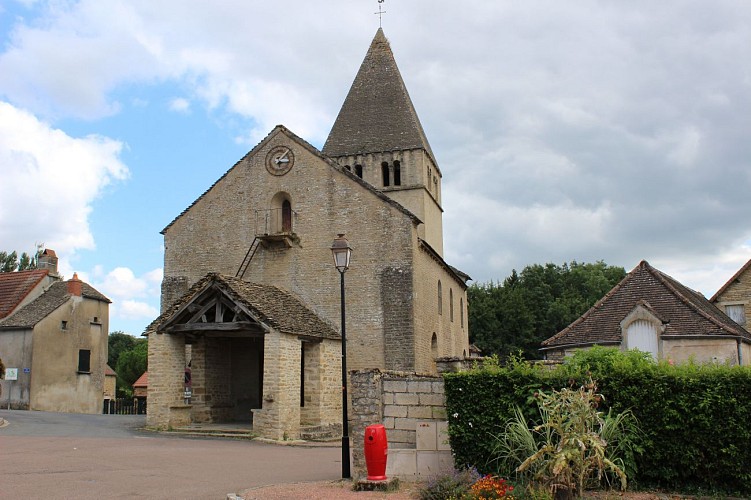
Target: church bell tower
(379, 138)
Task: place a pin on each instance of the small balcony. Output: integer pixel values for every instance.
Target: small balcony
(273, 227)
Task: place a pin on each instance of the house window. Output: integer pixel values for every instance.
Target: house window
(385, 173)
(642, 335)
(63, 325)
(397, 173)
(737, 313)
(348, 168)
(358, 171)
(451, 304)
(84, 361)
(440, 298)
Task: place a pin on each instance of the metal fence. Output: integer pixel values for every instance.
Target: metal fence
(124, 406)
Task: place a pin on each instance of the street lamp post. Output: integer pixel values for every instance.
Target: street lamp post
(342, 253)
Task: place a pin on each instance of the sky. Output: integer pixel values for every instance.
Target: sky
(565, 131)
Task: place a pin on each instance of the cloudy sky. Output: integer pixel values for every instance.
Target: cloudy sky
(585, 130)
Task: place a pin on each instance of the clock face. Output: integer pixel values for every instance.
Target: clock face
(280, 160)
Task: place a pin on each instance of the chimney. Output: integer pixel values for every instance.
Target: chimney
(75, 286)
(48, 260)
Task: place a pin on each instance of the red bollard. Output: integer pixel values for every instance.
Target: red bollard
(376, 452)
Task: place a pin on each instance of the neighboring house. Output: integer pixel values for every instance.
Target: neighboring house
(56, 336)
(250, 286)
(110, 383)
(650, 311)
(141, 386)
(734, 297)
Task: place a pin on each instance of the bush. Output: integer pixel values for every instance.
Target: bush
(694, 418)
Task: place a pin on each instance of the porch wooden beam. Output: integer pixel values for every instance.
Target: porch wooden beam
(217, 327)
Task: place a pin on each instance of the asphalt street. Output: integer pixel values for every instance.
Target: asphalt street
(70, 456)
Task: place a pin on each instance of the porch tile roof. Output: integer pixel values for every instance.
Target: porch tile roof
(269, 304)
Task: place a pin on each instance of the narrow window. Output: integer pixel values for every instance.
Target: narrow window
(63, 325)
(434, 346)
(461, 311)
(358, 171)
(451, 304)
(302, 374)
(440, 298)
(397, 173)
(84, 361)
(286, 216)
(385, 173)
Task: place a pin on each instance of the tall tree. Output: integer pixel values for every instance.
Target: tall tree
(118, 343)
(131, 364)
(10, 262)
(530, 306)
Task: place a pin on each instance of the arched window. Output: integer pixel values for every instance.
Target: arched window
(358, 171)
(434, 345)
(286, 216)
(440, 298)
(461, 311)
(385, 173)
(451, 304)
(397, 173)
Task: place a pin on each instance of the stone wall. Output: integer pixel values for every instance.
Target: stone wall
(400, 401)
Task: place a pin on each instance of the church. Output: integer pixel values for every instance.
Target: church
(251, 297)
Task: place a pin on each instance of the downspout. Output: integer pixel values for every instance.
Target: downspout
(740, 352)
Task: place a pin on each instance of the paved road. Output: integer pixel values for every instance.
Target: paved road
(69, 456)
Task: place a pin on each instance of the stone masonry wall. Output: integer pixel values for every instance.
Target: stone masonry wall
(397, 400)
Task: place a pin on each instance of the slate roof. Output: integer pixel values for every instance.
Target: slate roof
(378, 114)
(15, 286)
(268, 305)
(729, 282)
(683, 311)
(38, 309)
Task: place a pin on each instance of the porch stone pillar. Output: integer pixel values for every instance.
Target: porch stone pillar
(166, 381)
(279, 417)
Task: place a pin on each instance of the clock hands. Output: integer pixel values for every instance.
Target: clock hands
(282, 159)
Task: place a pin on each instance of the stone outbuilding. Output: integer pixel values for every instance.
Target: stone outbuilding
(251, 298)
(651, 311)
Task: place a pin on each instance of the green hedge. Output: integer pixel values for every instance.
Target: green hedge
(696, 420)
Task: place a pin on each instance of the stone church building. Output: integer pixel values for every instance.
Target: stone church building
(251, 298)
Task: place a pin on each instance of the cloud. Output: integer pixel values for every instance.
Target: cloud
(615, 131)
(49, 182)
(133, 297)
(180, 105)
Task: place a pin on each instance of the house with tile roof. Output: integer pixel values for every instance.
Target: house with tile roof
(651, 311)
(250, 287)
(55, 333)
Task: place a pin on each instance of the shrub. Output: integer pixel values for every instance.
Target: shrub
(694, 418)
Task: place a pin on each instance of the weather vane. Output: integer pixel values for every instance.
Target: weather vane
(380, 13)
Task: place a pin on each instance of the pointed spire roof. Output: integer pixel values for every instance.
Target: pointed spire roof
(377, 114)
